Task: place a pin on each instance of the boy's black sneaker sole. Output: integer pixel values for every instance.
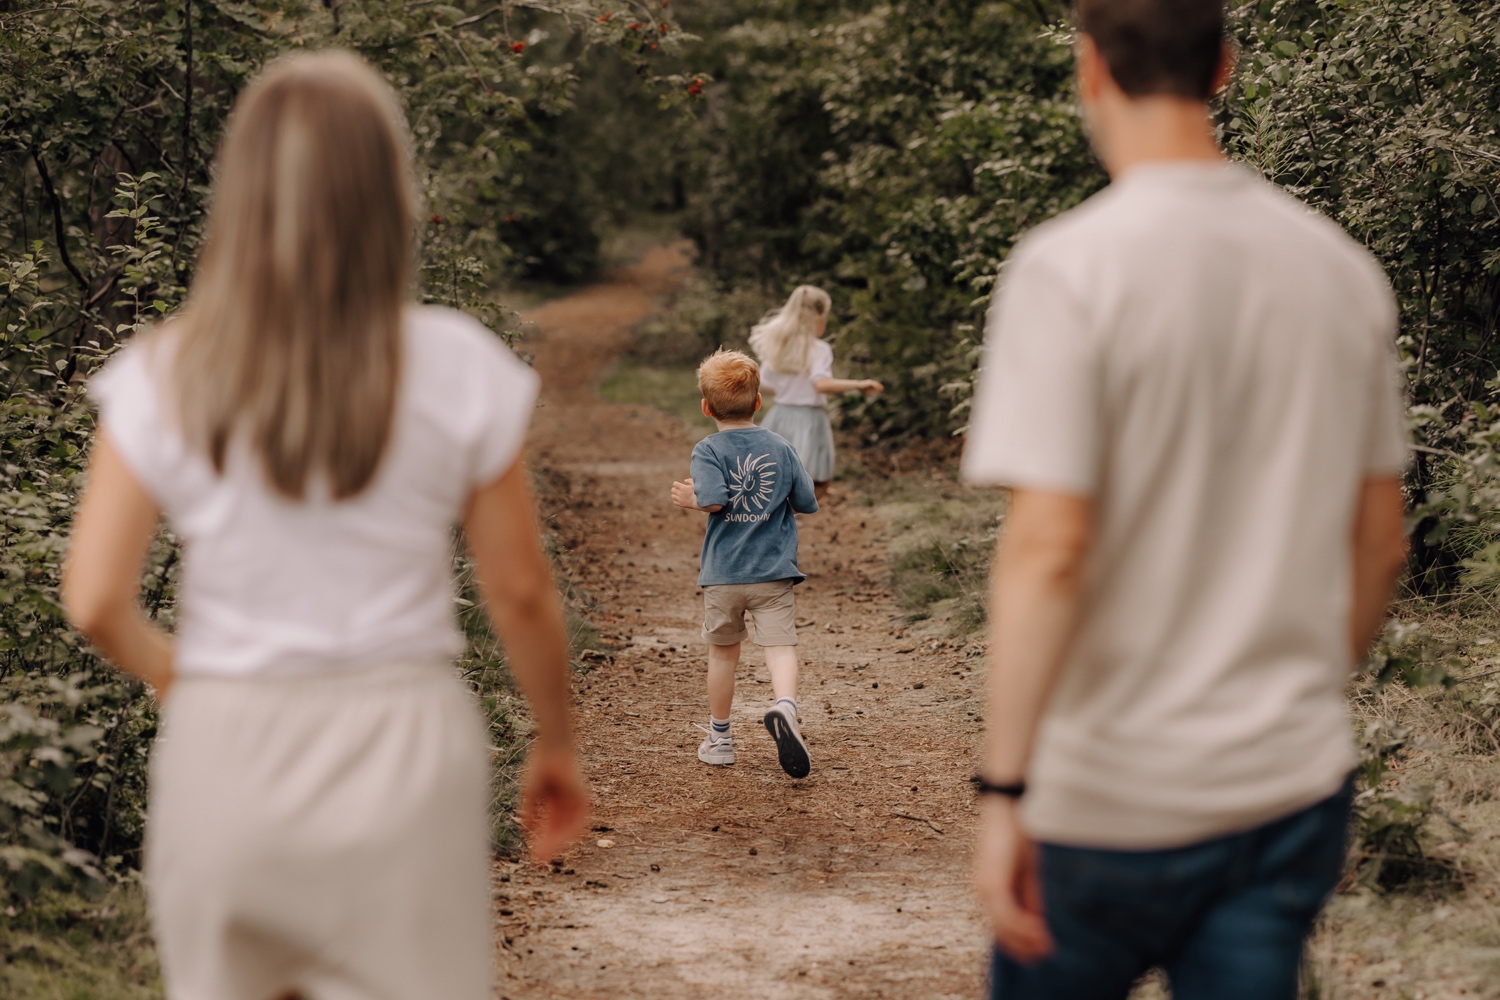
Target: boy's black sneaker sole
(790, 749)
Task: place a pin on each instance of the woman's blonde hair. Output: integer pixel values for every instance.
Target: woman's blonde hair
(783, 339)
(291, 335)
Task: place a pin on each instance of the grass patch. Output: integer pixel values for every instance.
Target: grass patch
(673, 389)
(941, 549)
(67, 947)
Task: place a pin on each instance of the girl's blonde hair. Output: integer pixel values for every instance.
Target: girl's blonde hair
(783, 339)
(291, 335)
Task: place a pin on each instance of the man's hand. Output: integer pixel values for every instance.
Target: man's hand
(1005, 874)
(554, 802)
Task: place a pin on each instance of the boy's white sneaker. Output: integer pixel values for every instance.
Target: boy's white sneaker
(781, 722)
(716, 748)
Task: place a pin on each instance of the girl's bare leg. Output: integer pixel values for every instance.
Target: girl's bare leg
(820, 489)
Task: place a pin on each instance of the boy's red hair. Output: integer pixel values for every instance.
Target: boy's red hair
(729, 381)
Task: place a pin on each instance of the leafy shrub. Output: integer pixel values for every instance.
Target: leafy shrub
(703, 316)
(73, 734)
(112, 112)
(892, 153)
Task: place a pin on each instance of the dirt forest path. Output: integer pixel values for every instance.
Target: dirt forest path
(735, 881)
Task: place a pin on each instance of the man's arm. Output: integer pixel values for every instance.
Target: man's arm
(1034, 600)
(1379, 556)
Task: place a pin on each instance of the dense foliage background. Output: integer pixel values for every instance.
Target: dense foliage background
(109, 115)
(892, 152)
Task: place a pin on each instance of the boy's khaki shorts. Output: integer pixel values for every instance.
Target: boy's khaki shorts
(769, 606)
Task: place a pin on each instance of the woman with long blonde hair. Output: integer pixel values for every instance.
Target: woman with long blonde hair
(797, 365)
(317, 816)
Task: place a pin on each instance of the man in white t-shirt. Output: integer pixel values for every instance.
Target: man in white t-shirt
(1190, 386)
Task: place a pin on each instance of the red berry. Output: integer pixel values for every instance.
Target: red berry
(635, 27)
(664, 27)
(606, 16)
(517, 46)
(437, 220)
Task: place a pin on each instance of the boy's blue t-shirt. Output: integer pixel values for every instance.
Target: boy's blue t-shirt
(760, 481)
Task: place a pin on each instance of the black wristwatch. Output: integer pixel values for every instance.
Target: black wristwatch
(983, 786)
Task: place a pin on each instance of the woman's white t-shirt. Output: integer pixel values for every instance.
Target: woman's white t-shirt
(276, 586)
(797, 390)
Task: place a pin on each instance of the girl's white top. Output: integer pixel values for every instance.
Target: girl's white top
(276, 586)
(797, 390)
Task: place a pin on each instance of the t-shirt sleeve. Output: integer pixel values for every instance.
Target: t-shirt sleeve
(507, 389)
(1387, 448)
(1036, 415)
(130, 405)
(709, 486)
(821, 362)
(804, 497)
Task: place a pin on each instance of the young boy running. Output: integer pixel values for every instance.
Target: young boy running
(752, 485)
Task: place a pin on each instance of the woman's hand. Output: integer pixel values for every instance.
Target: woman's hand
(1009, 886)
(870, 387)
(515, 578)
(554, 801)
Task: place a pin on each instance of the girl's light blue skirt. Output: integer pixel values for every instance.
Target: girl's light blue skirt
(807, 430)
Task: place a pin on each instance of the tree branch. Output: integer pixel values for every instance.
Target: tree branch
(57, 220)
(187, 102)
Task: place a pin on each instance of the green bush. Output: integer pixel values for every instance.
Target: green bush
(892, 153)
(112, 112)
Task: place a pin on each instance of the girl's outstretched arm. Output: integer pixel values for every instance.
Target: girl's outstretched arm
(112, 533)
(516, 581)
(834, 386)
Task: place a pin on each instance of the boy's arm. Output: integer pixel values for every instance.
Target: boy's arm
(706, 488)
(684, 497)
(804, 498)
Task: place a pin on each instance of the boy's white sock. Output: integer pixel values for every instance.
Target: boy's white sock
(718, 727)
(790, 703)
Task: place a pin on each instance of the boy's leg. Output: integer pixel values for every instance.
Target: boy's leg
(781, 661)
(722, 662)
(723, 630)
(772, 608)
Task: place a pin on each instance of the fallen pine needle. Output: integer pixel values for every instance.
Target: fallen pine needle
(918, 819)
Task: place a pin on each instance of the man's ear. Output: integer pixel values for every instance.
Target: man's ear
(708, 411)
(757, 403)
(1228, 57)
(1092, 70)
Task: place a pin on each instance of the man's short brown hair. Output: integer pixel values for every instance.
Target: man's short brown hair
(729, 381)
(1157, 46)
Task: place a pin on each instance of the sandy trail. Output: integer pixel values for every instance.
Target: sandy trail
(851, 883)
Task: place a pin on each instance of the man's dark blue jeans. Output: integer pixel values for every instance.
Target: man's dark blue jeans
(1226, 918)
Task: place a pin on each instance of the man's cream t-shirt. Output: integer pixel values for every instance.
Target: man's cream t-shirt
(1213, 364)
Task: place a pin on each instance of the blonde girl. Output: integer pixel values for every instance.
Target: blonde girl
(316, 822)
(797, 365)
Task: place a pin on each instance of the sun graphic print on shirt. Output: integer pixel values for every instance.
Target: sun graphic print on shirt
(752, 482)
